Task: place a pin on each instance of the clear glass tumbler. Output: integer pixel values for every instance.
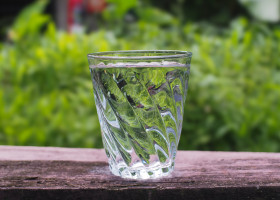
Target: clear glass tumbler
(140, 98)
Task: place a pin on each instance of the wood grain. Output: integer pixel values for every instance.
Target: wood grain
(67, 173)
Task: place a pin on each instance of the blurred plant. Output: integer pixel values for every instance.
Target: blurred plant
(263, 10)
(218, 12)
(22, 29)
(234, 89)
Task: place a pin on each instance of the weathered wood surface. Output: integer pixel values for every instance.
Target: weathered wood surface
(65, 173)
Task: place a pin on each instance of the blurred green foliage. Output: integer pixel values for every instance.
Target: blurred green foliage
(233, 102)
(219, 12)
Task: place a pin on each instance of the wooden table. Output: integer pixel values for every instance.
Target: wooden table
(72, 173)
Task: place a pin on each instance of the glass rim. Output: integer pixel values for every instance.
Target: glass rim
(169, 54)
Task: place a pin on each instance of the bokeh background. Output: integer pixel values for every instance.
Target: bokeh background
(233, 101)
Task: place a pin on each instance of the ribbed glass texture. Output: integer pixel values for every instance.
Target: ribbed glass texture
(140, 98)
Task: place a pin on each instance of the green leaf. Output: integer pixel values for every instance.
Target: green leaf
(29, 21)
(156, 16)
(118, 8)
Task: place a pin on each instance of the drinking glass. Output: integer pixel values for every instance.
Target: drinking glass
(139, 96)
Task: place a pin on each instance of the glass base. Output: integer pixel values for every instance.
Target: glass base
(138, 171)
